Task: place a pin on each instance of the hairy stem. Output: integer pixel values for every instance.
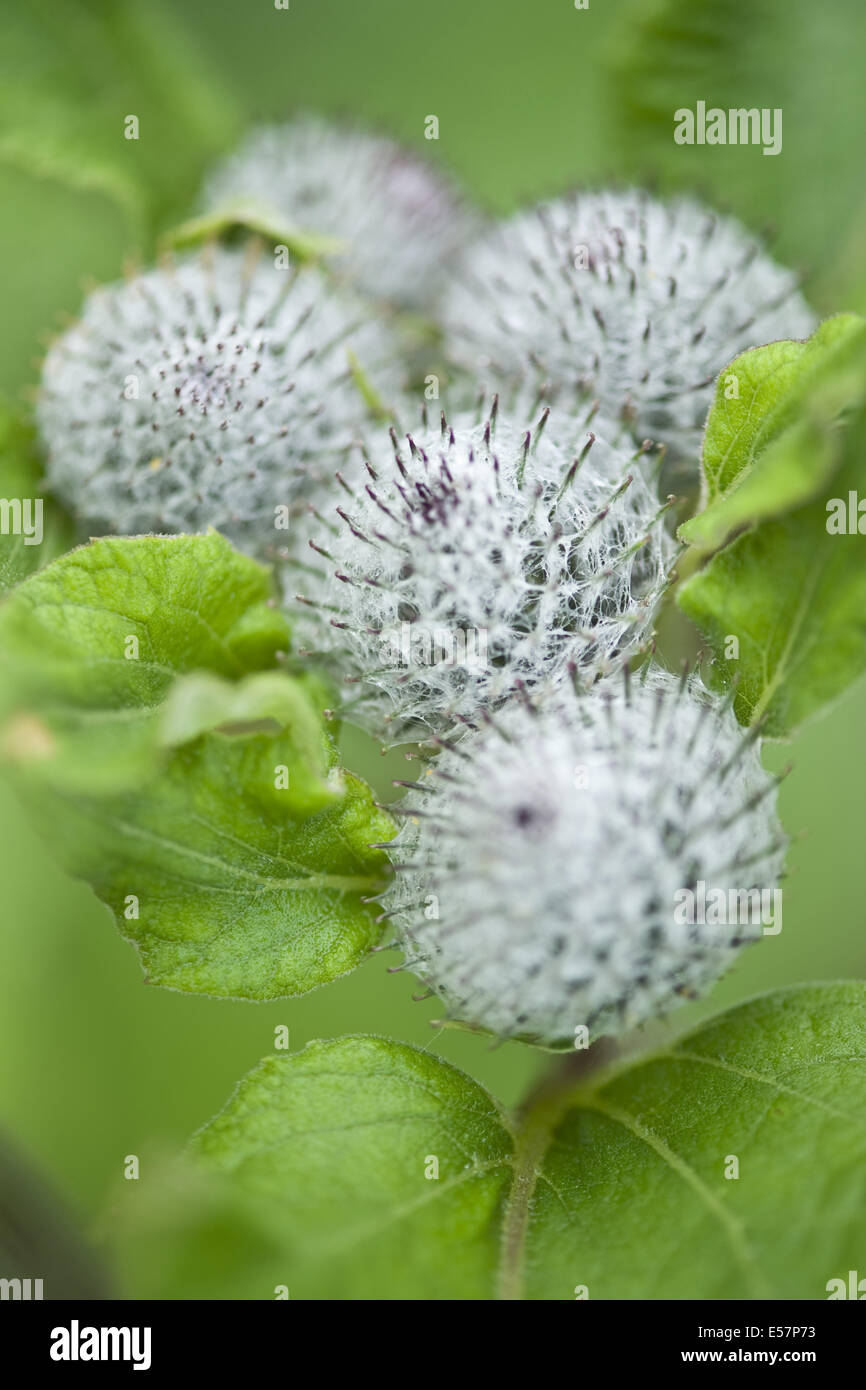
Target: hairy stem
(537, 1121)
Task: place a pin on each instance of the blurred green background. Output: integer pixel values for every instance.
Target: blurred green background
(530, 97)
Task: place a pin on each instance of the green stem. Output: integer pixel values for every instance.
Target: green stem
(537, 1121)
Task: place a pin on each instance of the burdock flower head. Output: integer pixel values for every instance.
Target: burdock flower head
(400, 218)
(547, 861)
(469, 558)
(643, 301)
(213, 392)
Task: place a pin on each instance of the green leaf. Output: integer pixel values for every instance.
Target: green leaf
(314, 1177)
(228, 884)
(33, 529)
(199, 796)
(201, 702)
(791, 592)
(771, 439)
(92, 644)
(636, 1171)
(318, 1176)
(795, 599)
(248, 218)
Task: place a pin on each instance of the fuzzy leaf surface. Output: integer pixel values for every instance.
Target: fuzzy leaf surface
(778, 463)
(315, 1175)
(197, 794)
(50, 531)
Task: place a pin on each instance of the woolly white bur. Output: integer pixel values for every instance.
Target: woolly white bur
(643, 301)
(539, 862)
(401, 219)
(207, 393)
(471, 559)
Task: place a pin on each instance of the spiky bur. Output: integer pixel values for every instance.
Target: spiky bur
(543, 861)
(643, 301)
(400, 217)
(471, 558)
(211, 392)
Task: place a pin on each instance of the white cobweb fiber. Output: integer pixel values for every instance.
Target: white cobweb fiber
(469, 558)
(537, 892)
(208, 393)
(643, 301)
(400, 217)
